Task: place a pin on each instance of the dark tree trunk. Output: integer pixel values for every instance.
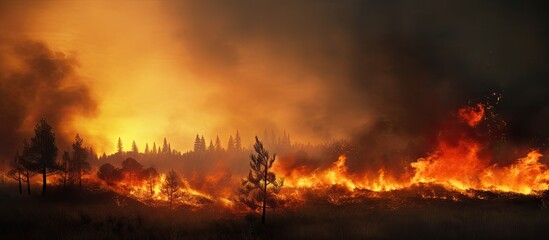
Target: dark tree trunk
(44, 179)
(28, 183)
(19, 178)
(171, 200)
(80, 180)
(264, 195)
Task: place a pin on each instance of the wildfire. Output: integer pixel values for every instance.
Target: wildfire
(456, 165)
(527, 175)
(457, 168)
(337, 175)
(149, 191)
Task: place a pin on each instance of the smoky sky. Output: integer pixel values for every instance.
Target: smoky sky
(37, 82)
(386, 74)
(402, 65)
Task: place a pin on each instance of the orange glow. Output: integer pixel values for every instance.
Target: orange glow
(472, 115)
(337, 175)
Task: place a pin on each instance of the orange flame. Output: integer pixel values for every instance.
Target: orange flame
(472, 115)
(456, 165)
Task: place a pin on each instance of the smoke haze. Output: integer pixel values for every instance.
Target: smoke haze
(384, 74)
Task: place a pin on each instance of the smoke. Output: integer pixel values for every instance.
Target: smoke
(37, 82)
(387, 74)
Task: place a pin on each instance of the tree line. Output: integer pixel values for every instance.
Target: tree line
(39, 157)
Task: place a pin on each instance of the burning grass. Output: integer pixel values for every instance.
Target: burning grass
(405, 213)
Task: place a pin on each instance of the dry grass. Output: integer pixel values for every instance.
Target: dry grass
(86, 215)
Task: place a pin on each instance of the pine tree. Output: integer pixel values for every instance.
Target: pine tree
(65, 168)
(230, 144)
(134, 148)
(197, 143)
(218, 146)
(154, 151)
(79, 164)
(147, 151)
(260, 187)
(119, 146)
(211, 147)
(237, 142)
(202, 143)
(44, 148)
(165, 148)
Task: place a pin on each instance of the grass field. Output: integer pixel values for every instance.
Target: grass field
(96, 215)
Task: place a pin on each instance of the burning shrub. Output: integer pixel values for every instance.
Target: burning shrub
(132, 169)
(109, 173)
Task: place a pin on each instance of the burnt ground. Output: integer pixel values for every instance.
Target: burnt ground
(397, 215)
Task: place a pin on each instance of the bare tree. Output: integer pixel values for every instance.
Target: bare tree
(171, 187)
(260, 187)
(15, 171)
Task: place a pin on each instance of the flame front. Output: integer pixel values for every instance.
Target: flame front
(458, 164)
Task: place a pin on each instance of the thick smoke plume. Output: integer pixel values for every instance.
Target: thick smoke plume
(37, 82)
(389, 74)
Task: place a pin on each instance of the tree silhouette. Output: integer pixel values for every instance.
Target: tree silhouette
(16, 170)
(22, 167)
(28, 163)
(79, 163)
(197, 143)
(135, 151)
(151, 176)
(43, 145)
(147, 151)
(132, 168)
(165, 147)
(230, 144)
(211, 148)
(65, 167)
(261, 186)
(154, 151)
(202, 143)
(237, 142)
(108, 173)
(120, 146)
(171, 187)
(218, 146)
(91, 154)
